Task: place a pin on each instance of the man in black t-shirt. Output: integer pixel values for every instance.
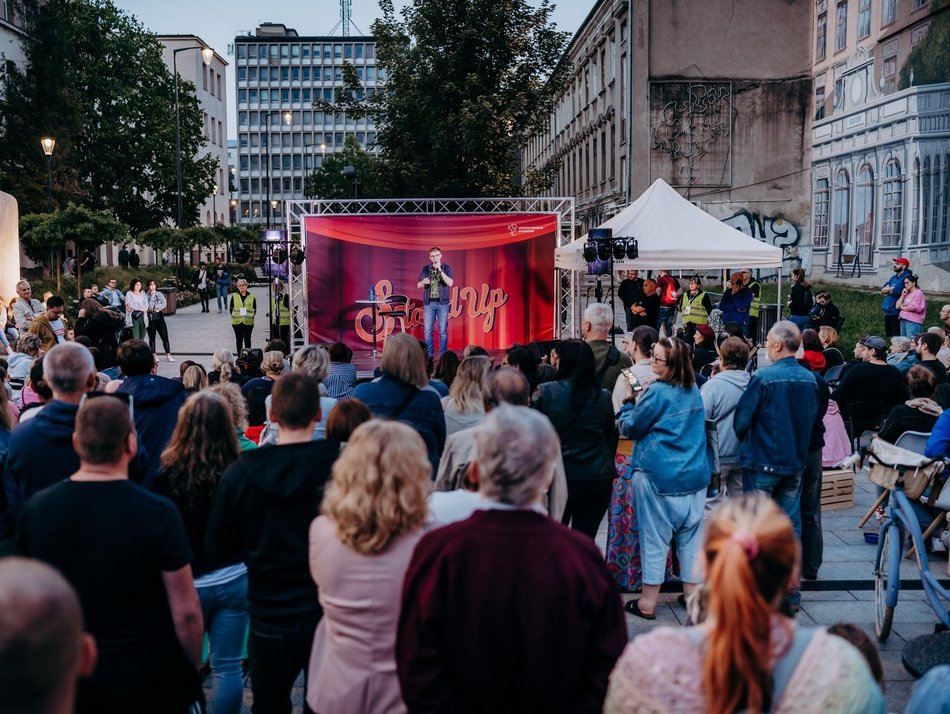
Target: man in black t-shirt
(126, 553)
(928, 345)
(646, 309)
(630, 291)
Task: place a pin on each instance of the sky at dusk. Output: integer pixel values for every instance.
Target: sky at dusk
(218, 21)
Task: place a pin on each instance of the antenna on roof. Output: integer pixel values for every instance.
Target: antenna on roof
(346, 19)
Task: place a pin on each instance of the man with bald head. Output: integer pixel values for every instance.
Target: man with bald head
(503, 386)
(43, 648)
(126, 552)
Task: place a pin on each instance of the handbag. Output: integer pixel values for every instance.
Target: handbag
(893, 467)
(137, 314)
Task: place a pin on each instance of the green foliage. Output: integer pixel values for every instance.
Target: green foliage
(44, 233)
(96, 82)
(467, 81)
(930, 59)
(329, 182)
(166, 238)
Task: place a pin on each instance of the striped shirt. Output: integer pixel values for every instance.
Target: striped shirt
(341, 381)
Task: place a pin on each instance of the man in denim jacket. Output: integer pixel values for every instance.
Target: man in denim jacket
(773, 421)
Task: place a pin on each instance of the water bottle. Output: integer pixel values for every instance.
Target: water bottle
(372, 293)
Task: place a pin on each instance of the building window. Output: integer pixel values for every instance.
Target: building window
(889, 74)
(841, 25)
(888, 12)
(842, 209)
(864, 19)
(946, 197)
(917, 34)
(935, 235)
(821, 36)
(925, 177)
(242, 52)
(920, 3)
(820, 237)
(819, 103)
(864, 199)
(893, 206)
(915, 205)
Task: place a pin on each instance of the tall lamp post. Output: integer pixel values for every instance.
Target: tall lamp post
(48, 143)
(207, 54)
(287, 117)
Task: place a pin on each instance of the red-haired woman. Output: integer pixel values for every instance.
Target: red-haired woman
(746, 656)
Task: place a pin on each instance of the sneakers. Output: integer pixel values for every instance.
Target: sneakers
(169, 358)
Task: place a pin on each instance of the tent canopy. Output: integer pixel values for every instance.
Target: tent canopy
(673, 234)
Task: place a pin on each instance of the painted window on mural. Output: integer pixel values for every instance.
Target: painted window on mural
(937, 194)
(864, 213)
(820, 237)
(925, 202)
(842, 212)
(864, 19)
(821, 36)
(841, 25)
(946, 198)
(893, 197)
(915, 205)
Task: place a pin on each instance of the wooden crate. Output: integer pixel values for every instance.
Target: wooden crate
(837, 489)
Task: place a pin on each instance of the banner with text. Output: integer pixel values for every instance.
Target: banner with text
(503, 267)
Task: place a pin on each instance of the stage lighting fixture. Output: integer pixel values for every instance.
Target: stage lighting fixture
(618, 249)
(297, 256)
(603, 250)
(240, 253)
(590, 251)
(279, 256)
(633, 249)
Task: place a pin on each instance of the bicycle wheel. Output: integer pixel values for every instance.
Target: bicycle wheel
(883, 613)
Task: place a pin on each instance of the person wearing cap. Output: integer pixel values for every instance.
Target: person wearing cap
(695, 307)
(756, 289)
(736, 303)
(891, 290)
(873, 383)
(704, 347)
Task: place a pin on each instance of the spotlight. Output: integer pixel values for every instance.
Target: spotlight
(297, 256)
(633, 249)
(603, 250)
(240, 253)
(590, 251)
(618, 249)
(279, 256)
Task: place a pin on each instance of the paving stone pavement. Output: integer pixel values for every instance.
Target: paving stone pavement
(847, 558)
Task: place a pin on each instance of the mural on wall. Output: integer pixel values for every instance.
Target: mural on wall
(691, 128)
(777, 231)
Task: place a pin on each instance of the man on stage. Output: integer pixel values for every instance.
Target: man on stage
(435, 280)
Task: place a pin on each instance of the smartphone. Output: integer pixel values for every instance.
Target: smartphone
(632, 378)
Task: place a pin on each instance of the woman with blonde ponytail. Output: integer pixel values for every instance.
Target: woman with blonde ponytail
(745, 657)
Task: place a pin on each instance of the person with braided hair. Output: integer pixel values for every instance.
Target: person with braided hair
(745, 656)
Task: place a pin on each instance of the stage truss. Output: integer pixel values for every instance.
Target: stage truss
(565, 281)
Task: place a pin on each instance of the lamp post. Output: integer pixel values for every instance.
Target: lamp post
(287, 117)
(207, 54)
(48, 143)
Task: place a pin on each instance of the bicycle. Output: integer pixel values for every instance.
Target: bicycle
(901, 520)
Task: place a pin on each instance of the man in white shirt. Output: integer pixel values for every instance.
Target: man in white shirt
(26, 307)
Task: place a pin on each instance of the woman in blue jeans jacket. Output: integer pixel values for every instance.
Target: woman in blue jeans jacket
(672, 471)
(201, 448)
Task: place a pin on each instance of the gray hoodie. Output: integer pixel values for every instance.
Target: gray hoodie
(720, 396)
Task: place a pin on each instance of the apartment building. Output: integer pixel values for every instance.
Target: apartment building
(11, 34)
(282, 137)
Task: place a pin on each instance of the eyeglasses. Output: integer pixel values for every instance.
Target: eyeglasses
(654, 358)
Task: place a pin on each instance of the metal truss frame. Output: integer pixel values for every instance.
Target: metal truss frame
(565, 281)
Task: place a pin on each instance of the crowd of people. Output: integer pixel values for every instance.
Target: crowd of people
(425, 540)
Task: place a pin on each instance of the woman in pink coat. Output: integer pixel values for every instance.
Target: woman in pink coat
(913, 308)
(373, 513)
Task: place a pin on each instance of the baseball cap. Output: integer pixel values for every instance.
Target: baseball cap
(902, 261)
(874, 342)
(707, 332)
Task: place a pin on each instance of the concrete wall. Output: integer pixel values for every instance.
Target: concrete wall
(9, 245)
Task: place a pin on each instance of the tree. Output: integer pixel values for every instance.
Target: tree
(329, 180)
(929, 61)
(467, 81)
(96, 82)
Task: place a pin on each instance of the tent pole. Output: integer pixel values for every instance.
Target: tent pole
(778, 306)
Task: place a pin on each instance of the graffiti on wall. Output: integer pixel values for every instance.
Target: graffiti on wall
(774, 230)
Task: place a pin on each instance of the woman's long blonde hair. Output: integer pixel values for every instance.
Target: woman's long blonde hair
(469, 383)
(751, 552)
(379, 487)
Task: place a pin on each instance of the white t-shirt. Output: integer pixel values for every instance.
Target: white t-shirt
(59, 328)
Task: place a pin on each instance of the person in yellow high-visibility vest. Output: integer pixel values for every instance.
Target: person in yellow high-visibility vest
(695, 307)
(280, 313)
(756, 289)
(243, 307)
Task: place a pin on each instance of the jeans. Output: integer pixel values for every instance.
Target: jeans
(139, 329)
(786, 491)
(242, 337)
(203, 296)
(221, 291)
(892, 325)
(812, 543)
(667, 319)
(910, 328)
(157, 324)
(225, 615)
(801, 321)
(587, 503)
(433, 309)
(277, 656)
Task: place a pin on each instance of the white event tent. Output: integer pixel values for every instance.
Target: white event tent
(673, 234)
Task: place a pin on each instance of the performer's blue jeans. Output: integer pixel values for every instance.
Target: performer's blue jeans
(433, 309)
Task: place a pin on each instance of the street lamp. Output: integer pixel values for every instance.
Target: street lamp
(287, 118)
(48, 143)
(207, 54)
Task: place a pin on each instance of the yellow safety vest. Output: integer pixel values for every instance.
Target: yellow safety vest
(237, 303)
(754, 308)
(693, 309)
(280, 311)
